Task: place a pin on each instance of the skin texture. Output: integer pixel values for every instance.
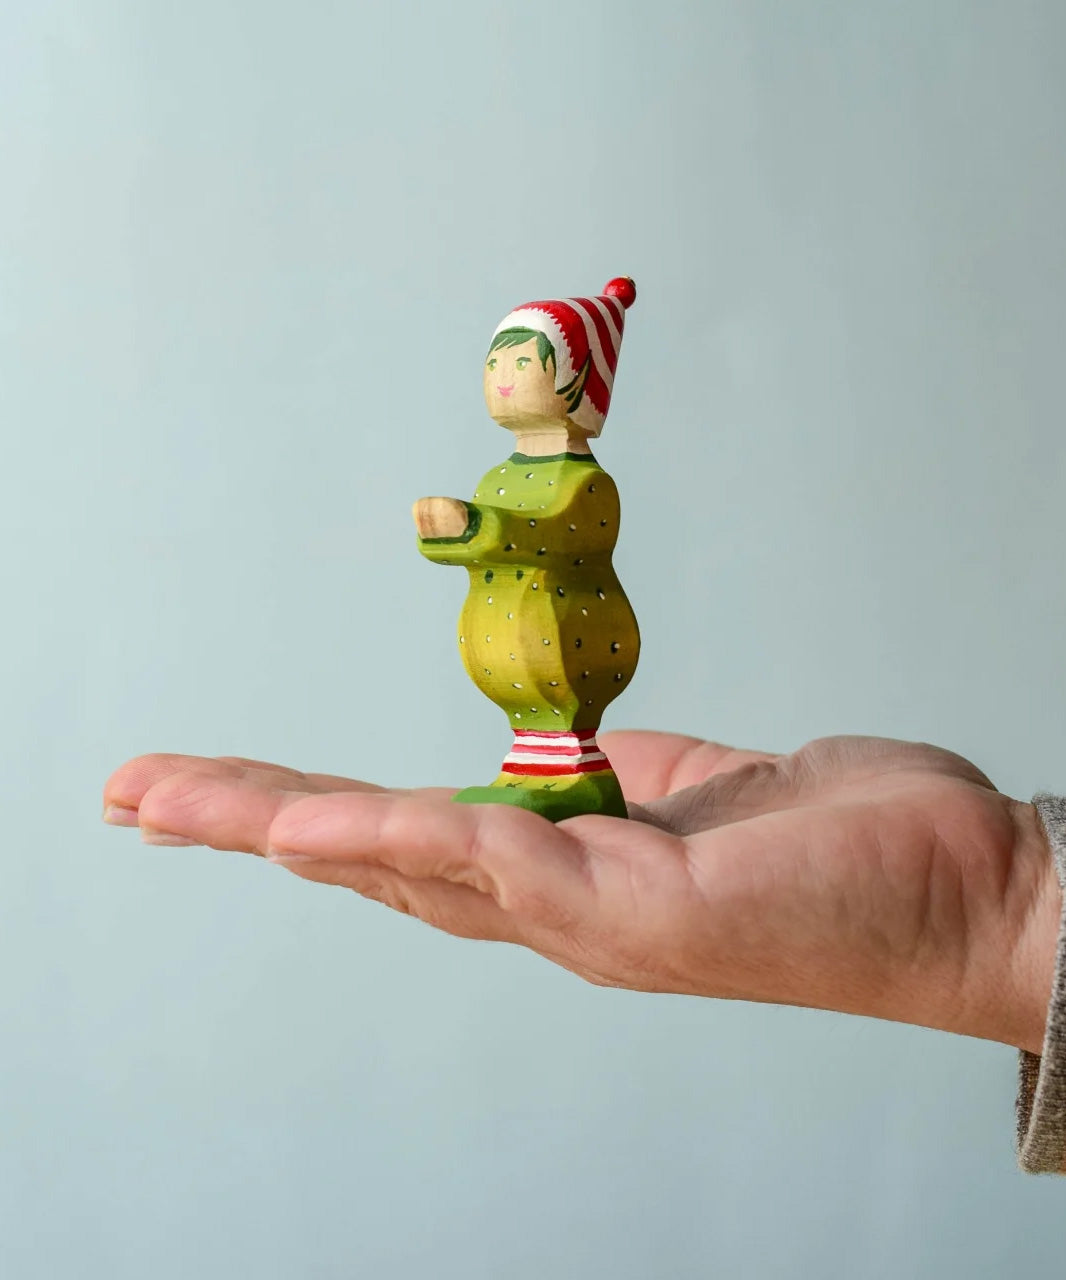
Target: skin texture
(865, 875)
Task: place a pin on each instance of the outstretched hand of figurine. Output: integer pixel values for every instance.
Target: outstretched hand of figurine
(860, 874)
(441, 517)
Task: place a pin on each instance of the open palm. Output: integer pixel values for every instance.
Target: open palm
(859, 874)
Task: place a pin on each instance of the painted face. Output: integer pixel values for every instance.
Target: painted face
(518, 390)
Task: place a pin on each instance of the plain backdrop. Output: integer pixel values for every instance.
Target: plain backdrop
(250, 258)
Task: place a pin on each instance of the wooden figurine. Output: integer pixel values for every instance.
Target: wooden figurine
(546, 631)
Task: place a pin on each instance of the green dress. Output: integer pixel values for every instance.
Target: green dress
(546, 631)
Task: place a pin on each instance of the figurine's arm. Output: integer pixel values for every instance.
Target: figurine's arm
(446, 528)
(437, 518)
(585, 521)
(454, 532)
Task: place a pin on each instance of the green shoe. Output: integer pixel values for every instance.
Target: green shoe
(555, 798)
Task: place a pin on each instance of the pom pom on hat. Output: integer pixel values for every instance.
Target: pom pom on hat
(622, 288)
(586, 334)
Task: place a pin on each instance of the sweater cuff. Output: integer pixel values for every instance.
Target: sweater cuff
(1041, 1105)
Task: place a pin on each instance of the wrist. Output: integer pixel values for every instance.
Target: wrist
(1014, 965)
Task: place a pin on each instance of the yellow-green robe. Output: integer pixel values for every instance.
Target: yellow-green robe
(546, 631)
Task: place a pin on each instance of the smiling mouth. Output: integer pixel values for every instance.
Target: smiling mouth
(504, 391)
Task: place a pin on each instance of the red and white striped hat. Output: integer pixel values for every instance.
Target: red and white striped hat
(583, 331)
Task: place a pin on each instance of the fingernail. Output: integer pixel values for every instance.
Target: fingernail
(280, 855)
(119, 815)
(164, 837)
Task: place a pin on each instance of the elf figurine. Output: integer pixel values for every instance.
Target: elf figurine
(546, 631)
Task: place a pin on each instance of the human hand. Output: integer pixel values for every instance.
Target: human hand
(864, 875)
(441, 517)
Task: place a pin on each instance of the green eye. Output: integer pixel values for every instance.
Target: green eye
(490, 364)
(521, 362)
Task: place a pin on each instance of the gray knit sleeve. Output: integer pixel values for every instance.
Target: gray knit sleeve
(1042, 1080)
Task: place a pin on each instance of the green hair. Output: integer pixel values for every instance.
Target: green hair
(574, 390)
(516, 337)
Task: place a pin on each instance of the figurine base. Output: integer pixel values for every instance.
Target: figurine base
(553, 798)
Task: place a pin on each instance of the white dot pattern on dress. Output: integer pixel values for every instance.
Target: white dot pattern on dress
(556, 586)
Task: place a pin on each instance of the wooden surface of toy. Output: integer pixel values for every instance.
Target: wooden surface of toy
(546, 632)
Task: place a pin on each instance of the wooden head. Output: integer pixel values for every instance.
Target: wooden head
(550, 366)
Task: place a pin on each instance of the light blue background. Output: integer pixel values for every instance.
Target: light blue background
(250, 256)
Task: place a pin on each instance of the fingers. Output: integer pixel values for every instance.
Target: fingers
(530, 868)
(747, 785)
(527, 867)
(252, 764)
(225, 812)
(650, 764)
(764, 785)
(316, 781)
(488, 871)
(128, 785)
